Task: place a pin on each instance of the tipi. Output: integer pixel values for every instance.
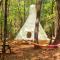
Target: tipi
(29, 27)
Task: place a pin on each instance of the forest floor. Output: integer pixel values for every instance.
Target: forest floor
(28, 52)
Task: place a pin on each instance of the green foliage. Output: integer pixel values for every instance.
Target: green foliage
(18, 11)
(47, 15)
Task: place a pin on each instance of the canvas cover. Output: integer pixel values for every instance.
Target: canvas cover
(29, 26)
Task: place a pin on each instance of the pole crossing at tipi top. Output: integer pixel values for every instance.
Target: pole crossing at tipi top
(29, 27)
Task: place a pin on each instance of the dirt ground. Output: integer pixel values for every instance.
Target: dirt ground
(28, 52)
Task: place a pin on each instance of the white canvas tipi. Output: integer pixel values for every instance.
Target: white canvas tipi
(29, 26)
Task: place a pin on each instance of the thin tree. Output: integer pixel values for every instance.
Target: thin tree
(38, 12)
(52, 29)
(5, 28)
(57, 40)
(5, 25)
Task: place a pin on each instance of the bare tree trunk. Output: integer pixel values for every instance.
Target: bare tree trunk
(57, 40)
(38, 11)
(5, 26)
(52, 29)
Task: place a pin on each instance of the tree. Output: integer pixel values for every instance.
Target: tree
(38, 12)
(57, 40)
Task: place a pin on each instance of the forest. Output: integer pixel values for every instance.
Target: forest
(18, 12)
(16, 16)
